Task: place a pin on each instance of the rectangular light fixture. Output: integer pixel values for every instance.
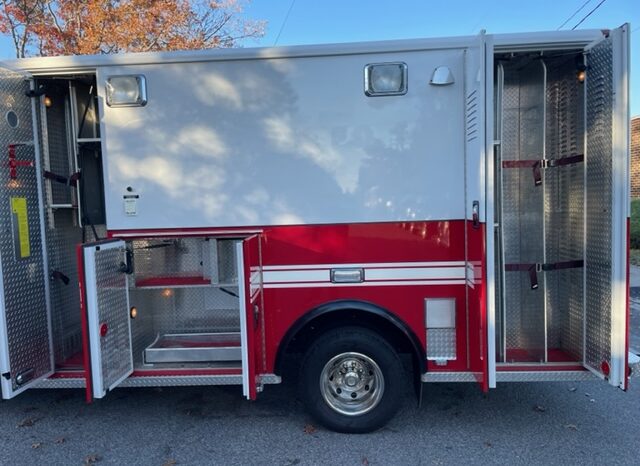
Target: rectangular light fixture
(383, 79)
(126, 91)
(347, 275)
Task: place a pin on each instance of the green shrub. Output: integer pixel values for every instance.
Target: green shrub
(635, 224)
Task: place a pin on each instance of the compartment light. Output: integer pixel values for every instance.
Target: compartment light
(48, 102)
(167, 292)
(383, 79)
(126, 91)
(133, 312)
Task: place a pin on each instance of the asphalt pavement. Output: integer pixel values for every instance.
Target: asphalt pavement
(516, 423)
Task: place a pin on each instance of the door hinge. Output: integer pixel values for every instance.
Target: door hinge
(35, 92)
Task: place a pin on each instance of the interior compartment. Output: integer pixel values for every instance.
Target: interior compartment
(540, 102)
(74, 212)
(185, 291)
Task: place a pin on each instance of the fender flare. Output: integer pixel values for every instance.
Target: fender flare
(417, 349)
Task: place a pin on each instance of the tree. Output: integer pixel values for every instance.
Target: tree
(78, 27)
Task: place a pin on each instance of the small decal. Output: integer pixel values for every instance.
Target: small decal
(21, 227)
(131, 205)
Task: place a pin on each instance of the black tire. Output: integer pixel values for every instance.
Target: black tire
(336, 344)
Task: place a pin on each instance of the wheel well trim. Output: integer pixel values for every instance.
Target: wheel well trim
(417, 348)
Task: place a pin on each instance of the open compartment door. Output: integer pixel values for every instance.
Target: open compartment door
(607, 207)
(478, 87)
(104, 295)
(26, 354)
(251, 311)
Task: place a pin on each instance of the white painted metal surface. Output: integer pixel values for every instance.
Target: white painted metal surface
(290, 141)
(621, 206)
(242, 297)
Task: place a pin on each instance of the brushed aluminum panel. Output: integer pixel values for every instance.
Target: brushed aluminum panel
(24, 319)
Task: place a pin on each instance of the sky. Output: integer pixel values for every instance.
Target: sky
(330, 21)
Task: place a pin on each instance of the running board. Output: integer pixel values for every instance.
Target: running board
(162, 381)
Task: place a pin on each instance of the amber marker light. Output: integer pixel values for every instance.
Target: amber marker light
(167, 292)
(133, 312)
(47, 101)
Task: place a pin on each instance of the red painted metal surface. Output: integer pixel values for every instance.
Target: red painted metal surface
(477, 309)
(84, 323)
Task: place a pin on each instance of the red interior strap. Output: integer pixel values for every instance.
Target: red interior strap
(566, 160)
(536, 165)
(534, 268)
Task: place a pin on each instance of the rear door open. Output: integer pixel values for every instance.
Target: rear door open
(607, 206)
(107, 343)
(26, 353)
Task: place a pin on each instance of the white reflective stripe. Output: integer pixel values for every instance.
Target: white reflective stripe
(296, 276)
(380, 283)
(371, 274)
(365, 266)
(417, 273)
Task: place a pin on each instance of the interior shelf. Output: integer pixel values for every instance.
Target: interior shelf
(189, 348)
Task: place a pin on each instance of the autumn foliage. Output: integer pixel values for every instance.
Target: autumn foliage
(78, 27)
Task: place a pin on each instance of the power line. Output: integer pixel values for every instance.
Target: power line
(574, 13)
(284, 22)
(588, 14)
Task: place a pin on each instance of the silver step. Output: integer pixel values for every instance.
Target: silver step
(194, 347)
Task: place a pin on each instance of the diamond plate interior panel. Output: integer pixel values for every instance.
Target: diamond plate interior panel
(564, 205)
(522, 204)
(62, 230)
(23, 278)
(113, 310)
(599, 215)
(183, 309)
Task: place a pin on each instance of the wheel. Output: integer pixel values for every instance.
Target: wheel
(351, 380)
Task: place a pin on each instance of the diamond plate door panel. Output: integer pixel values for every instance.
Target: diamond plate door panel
(607, 160)
(108, 321)
(25, 324)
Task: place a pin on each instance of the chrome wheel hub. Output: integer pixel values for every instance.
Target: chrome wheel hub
(352, 383)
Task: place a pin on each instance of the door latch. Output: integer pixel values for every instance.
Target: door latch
(475, 214)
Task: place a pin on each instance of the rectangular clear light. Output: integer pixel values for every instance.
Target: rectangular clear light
(385, 79)
(126, 91)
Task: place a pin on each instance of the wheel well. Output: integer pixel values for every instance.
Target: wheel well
(349, 313)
